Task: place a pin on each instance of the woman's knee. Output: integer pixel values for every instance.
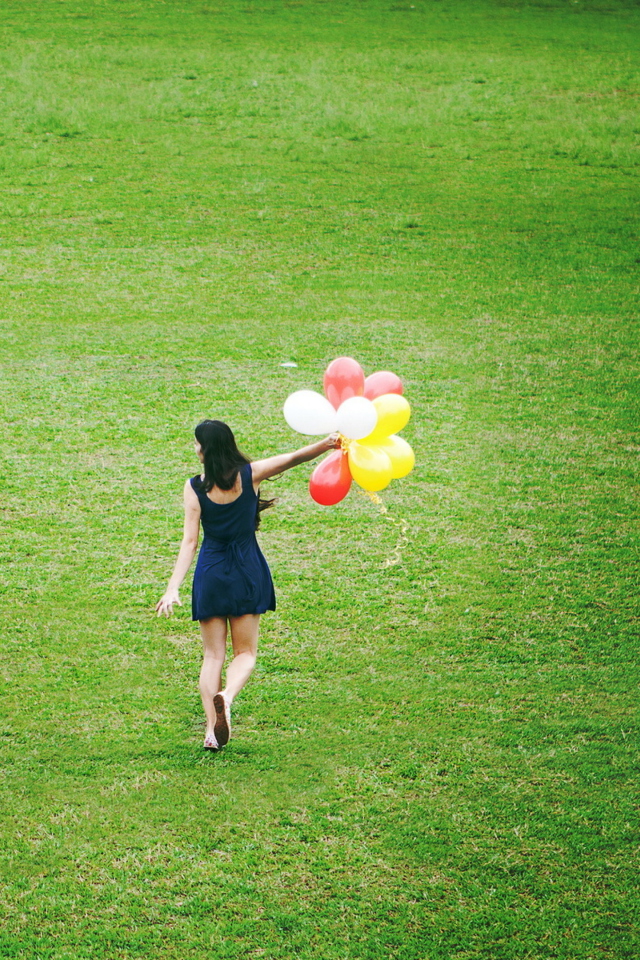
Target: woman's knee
(214, 656)
(244, 635)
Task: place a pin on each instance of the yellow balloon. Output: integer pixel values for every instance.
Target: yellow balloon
(393, 414)
(370, 467)
(402, 457)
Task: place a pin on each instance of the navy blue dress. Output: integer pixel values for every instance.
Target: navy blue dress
(232, 577)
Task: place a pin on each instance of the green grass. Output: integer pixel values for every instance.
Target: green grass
(435, 759)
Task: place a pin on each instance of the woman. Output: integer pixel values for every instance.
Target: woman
(232, 583)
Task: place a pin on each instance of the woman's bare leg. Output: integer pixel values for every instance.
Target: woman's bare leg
(214, 644)
(244, 637)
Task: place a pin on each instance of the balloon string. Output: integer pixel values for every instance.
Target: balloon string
(403, 525)
(345, 443)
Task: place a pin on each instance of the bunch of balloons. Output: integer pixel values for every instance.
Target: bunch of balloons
(368, 413)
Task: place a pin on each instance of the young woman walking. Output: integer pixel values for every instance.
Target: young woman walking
(232, 584)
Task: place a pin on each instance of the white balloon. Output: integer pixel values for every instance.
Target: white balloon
(357, 417)
(309, 412)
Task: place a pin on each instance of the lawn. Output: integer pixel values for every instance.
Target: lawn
(437, 758)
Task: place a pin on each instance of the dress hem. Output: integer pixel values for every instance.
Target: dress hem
(255, 612)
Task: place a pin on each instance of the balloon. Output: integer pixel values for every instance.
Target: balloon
(382, 382)
(331, 479)
(368, 413)
(400, 454)
(393, 414)
(370, 467)
(356, 418)
(343, 378)
(309, 412)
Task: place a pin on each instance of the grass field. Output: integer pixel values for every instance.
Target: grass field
(435, 759)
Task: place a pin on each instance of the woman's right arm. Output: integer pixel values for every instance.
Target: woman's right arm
(186, 554)
(263, 469)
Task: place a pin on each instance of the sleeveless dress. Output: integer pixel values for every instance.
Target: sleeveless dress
(232, 577)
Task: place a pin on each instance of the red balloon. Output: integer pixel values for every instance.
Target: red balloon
(343, 378)
(380, 383)
(331, 479)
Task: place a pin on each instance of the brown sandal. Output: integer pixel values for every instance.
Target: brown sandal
(222, 727)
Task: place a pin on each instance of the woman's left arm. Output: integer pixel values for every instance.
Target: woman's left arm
(186, 554)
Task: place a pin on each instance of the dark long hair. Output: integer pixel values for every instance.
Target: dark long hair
(222, 460)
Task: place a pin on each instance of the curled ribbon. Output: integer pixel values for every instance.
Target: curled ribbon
(403, 525)
(345, 443)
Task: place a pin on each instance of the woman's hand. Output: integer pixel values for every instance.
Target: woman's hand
(165, 605)
(332, 442)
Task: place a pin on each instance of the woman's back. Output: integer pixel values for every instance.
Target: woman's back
(233, 520)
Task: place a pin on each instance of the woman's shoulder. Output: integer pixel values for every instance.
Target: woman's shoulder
(195, 484)
(246, 473)
(192, 499)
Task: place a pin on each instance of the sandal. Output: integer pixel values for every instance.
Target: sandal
(223, 719)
